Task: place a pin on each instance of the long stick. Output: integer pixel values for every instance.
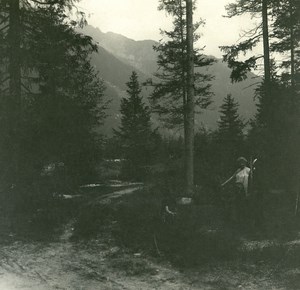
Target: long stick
(156, 246)
(297, 203)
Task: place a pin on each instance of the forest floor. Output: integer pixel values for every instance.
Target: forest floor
(101, 263)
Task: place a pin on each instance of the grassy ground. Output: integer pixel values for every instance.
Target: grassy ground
(139, 214)
(199, 237)
(112, 237)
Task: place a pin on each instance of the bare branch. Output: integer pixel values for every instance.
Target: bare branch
(4, 19)
(252, 32)
(46, 3)
(26, 89)
(5, 27)
(252, 85)
(4, 80)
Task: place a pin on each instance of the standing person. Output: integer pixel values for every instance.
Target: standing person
(241, 189)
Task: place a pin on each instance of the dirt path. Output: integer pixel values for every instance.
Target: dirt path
(65, 265)
(101, 264)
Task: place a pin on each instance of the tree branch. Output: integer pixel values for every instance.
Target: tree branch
(252, 85)
(53, 2)
(4, 19)
(5, 27)
(4, 80)
(26, 89)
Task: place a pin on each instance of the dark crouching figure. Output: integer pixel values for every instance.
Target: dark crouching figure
(168, 209)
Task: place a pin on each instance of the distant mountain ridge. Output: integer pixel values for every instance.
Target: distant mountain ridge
(118, 56)
(139, 54)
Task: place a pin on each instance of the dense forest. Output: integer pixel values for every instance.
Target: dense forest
(58, 162)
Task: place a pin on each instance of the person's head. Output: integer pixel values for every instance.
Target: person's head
(242, 162)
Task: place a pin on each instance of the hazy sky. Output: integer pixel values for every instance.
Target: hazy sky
(140, 19)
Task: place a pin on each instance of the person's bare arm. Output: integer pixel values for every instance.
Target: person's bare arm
(229, 179)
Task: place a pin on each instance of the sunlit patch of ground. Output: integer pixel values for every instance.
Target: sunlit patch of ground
(98, 265)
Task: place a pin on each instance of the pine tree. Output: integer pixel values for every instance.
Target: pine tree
(61, 96)
(256, 8)
(286, 32)
(70, 98)
(280, 35)
(273, 131)
(169, 98)
(274, 135)
(135, 133)
(230, 131)
(182, 91)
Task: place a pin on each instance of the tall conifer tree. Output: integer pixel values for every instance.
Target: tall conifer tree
(286, 32)
(135, 133)
(278, 107)
(49, 63)
(169, 96)
(230, 131)
(182, 91)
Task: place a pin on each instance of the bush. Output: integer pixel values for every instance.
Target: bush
(137, 216)
(135, 221)
(193, 237)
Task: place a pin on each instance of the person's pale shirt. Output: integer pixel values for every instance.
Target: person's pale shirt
(242, 177)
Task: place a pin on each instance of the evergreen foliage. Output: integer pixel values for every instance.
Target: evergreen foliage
(230, 132)
(60, 101)
(135, 135)
(286, 32)
(250, 40)
(283, 37)
(275, 134)
(70, 97)
(275, 131)
(230, 124)
(169, 96)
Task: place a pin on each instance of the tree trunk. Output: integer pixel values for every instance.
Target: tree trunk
(189, 150)
(14, 70)
(266, 45)
(183, 73)
(292, 43)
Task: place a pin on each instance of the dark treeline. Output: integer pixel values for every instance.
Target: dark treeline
(274, 134)
(52, 101)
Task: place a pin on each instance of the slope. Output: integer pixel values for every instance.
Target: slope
(119, 55)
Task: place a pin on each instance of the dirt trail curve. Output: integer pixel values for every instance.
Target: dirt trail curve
(68, 265)
(88, 266)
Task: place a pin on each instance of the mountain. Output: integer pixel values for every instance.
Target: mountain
(115, 74)
(243, 92)
(118, 56)
(139, 54)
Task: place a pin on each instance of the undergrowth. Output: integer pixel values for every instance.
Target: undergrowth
(198, 234)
